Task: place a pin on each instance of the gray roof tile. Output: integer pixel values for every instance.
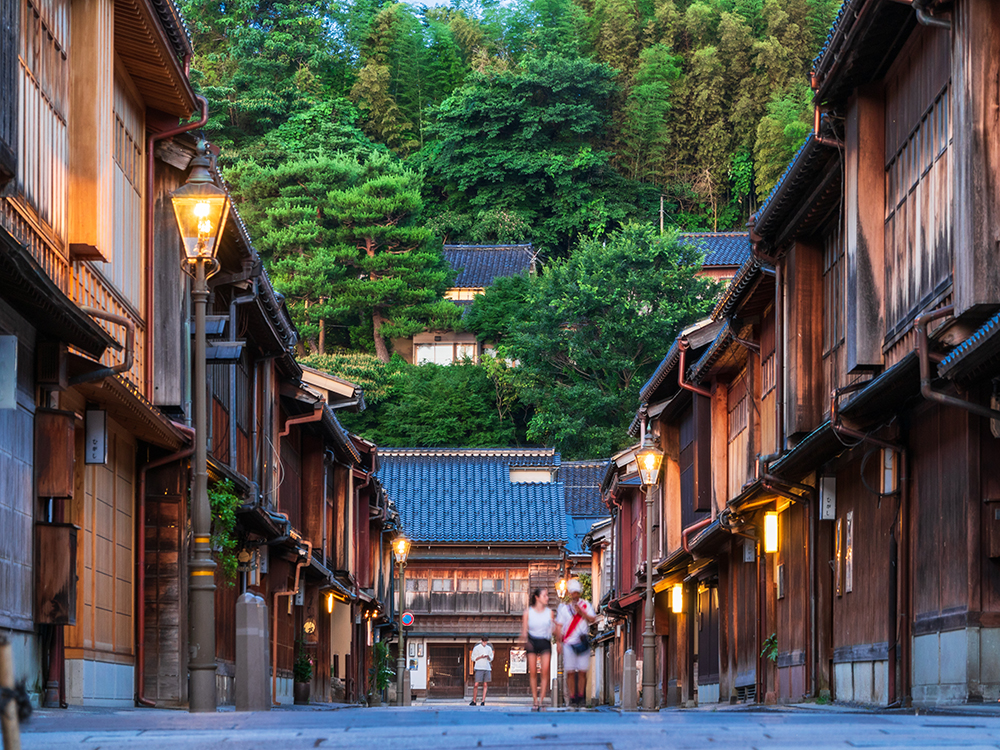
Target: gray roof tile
(720, 248)
(479, 265)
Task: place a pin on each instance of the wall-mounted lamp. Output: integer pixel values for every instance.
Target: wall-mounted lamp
(771, 531)
(329, 603)
(677, 598)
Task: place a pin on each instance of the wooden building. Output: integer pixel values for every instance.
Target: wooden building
(84, 88)
(487, 526)
(476, 267)
(845, 395)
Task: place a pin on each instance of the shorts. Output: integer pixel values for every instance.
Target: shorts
(539, 645)
(483, 675)
(574, 662)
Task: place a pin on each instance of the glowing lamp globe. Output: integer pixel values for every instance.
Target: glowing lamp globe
(401, 548)
(649, 459)
(201, 209)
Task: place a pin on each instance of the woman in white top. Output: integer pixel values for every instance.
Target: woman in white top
(536, 634)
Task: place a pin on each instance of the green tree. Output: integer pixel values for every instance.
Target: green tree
(527, 141)
(644, 140)
(342, 239)
(587, 333)
(780, 133)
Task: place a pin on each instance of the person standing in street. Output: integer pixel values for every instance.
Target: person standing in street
(482, 664)
(573, 621)
(536, 635)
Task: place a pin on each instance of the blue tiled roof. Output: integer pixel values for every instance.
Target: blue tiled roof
(582, 483)
(479, 265)
(975, 344)
(720, 248)
(466, 496)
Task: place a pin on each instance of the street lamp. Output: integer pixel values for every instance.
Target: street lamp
(201, 210)
(561, 588)
(649, 459)
(771, 531)
(401, 548)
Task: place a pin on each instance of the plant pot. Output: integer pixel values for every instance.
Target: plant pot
(375, 699)
(301, 692)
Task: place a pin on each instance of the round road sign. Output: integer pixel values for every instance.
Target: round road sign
(407, 619)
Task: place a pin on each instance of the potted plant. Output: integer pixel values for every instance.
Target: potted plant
(302, 672)
(380, 674)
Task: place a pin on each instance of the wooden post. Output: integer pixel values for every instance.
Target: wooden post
(8, 719)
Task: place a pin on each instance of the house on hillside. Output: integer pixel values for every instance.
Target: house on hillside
(487, 526)
(724, 252)
(477, 267)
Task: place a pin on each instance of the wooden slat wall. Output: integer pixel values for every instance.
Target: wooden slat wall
(10, 13)
(860, 617)
(290, 491)
(918, 202)
(166, 618)
(103, 510)
(17, 504)
(940, 441)
(127, 262)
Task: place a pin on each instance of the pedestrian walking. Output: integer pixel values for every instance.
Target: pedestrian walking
(573, 621)
(536, 635)
(482, 664)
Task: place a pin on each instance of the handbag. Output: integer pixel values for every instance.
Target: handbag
(583, 645)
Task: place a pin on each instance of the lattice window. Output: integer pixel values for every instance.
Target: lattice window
(43, 148)
(834, 280)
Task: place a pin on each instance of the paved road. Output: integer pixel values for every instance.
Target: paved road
(465, 728)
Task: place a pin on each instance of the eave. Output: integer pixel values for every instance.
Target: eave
(153, 57)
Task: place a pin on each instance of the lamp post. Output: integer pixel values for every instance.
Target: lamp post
(649, 458)
(401, 548)
(201, 210)
(559, 689)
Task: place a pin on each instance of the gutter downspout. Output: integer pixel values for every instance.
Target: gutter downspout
(831, 142)
(150, 210)
(923, 350)
(274, 620)
(683, 346)
(924, 16)
(140, 564)
(126, 364)
(690, 530)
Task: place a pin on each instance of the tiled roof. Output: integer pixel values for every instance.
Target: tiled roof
(479, 265)
(979, 349)
(582, 483)
(466, 496)
(720, 248)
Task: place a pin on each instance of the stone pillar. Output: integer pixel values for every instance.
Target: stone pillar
(630, 698)
(252, 666)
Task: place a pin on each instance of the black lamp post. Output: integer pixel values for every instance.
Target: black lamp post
(649, 458)
(201, 209)
(401, 548)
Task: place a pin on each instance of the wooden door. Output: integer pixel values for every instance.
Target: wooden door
(708, 635)
(445, 673)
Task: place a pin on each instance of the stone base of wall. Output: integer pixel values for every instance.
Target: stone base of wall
(708, 693)
(285, 695)
(98, 683)
(27, 663)
(862, 682)
(956, 667)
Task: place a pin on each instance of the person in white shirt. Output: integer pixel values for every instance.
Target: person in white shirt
(536, 634)
(482, 661)
(574, 619)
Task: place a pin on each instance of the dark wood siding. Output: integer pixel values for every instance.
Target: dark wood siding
(10, 11)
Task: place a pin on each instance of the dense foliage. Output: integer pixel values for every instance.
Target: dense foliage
(588, 333)
(359, 134)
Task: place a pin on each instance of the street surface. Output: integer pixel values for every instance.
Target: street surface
(463, 727)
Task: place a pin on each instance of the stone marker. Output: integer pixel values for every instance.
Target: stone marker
(252, 668)
(630, 698)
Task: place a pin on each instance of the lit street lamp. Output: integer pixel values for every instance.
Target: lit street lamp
(201, 209)
(401, 548)
(649, 458)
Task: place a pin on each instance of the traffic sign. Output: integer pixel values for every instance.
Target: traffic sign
(407, 619)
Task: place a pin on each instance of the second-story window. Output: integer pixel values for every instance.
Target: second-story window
(43, 153)
(417, 596)
(739, 424)
(127, 258)
(834, 277)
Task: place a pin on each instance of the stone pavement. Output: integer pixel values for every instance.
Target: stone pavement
(465, 728)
